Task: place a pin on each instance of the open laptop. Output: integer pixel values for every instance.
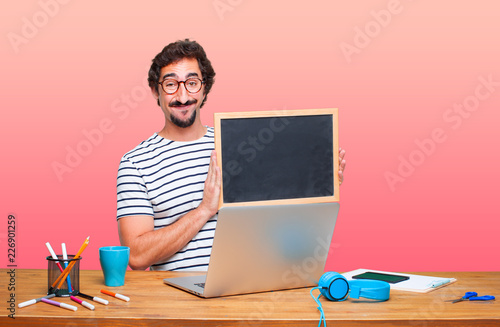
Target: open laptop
(265, 248)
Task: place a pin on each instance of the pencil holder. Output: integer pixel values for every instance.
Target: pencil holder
(71, 283)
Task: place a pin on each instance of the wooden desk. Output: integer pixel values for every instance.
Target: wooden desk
(155, 304)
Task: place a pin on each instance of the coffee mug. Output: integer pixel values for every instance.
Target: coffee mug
(114, 262)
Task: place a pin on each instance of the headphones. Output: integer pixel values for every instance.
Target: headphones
(335, 287)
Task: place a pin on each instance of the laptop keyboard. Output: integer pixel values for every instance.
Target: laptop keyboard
(202, 285)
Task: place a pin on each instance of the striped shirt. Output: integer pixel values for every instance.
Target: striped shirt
(164, 179)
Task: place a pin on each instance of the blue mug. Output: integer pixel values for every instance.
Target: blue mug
(114, 262)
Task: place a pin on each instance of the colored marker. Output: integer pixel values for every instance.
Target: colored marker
(118, 296)
(58, 282)
(93, 298)
(59, 304)
(54, 256)
(65, 257)
(30, 302)
(85, 304)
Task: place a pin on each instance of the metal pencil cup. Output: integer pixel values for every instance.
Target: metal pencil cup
(53, 272)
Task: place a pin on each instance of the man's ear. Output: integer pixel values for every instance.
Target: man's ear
(204, 97)
(155, 93)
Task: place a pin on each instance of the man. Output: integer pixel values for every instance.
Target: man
(168, 187)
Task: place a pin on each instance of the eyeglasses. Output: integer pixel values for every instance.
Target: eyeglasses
(192, 85)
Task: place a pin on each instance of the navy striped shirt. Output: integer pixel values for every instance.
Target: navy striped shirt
(164, 179)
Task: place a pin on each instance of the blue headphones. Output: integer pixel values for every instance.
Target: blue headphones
(335, 287)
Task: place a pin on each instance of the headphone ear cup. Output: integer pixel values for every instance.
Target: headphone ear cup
(334, 286)
(324, 283)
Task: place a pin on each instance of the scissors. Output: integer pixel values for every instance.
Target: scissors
(472, 296)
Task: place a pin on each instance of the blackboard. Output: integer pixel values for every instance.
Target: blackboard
(285, 156)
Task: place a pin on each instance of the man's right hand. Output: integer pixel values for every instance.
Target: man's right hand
(212, 188)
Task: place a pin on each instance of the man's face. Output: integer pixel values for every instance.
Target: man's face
(181, 108)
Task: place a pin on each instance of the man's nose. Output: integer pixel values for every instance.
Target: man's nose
(182, 93)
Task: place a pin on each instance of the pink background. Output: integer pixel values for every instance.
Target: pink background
(395, 69)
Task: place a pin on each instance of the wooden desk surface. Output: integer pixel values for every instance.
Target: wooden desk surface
(156, 304)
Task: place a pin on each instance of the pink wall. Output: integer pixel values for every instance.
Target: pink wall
(417, 84)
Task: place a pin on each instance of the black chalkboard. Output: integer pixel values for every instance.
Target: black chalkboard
(277, 157)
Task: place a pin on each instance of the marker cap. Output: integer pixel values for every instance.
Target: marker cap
(98, 299)
(68, 306)
(88, 305)
(122, 297)
(25, 304)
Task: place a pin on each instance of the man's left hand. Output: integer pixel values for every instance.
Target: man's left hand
(341, 165)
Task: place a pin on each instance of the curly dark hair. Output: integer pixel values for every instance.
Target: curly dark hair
(177, 51)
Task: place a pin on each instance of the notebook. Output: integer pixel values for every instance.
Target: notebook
(415, 283)
(265, 248)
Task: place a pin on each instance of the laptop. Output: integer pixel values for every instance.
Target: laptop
(265, 248)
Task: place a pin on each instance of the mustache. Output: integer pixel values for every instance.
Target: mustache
(176, 103)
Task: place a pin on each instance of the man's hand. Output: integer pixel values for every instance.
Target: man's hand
(341, 165)
(211, 192)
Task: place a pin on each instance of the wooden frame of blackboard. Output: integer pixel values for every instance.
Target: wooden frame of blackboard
(331, 113)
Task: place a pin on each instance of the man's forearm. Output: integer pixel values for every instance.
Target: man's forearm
(152, 246)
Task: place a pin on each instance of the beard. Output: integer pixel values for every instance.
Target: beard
(183, 123)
